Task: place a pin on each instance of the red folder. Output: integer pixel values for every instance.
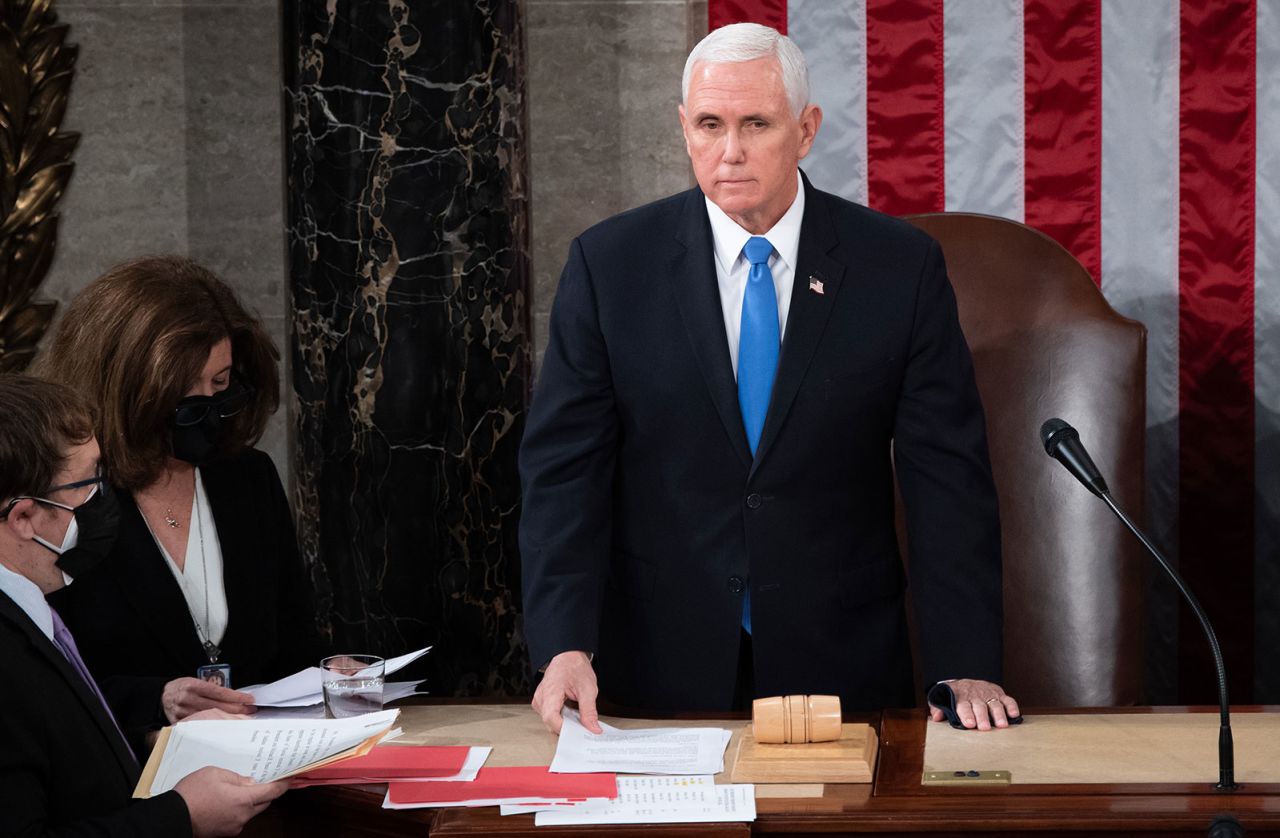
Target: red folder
(506, 783)
(389, 762)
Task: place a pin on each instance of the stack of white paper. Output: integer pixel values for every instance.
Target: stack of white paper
(393, 691)
(694, 799)
(302, 689)
(261, 749)
(692, 750)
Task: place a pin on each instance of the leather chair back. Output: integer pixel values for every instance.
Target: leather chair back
(1046, 343)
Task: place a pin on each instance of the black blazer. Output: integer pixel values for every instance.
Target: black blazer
(64, 770)
(645, 514)
(130, 618)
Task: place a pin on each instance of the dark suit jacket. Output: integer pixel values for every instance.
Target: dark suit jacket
(645, 514)
(64, 770)
(131, 620)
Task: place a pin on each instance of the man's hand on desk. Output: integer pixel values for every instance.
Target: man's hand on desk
(569, 676)
(184, 696)
(979, 704)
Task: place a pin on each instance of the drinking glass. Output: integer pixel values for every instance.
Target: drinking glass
(352, 685)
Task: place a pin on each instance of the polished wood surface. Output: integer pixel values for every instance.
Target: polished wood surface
(896, 803)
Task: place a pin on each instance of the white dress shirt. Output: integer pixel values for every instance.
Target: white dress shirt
(28, 597)
(201, 564)
(732, 267)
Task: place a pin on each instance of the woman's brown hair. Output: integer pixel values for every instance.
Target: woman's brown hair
(135, 339)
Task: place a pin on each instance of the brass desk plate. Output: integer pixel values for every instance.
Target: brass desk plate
(849, 759)
(966, 778)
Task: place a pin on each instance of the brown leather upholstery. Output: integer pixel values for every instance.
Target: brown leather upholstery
(1045, 343)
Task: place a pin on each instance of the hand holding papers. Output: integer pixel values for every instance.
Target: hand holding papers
(695, 750)
(305, 688)
(261, 749)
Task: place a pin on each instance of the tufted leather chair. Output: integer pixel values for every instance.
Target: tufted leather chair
(1045, 343)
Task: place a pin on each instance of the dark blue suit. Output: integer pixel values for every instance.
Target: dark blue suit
(645, 514)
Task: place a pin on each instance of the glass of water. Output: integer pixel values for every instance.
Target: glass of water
(352, 685)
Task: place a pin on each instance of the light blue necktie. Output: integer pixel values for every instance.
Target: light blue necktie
(758, 344)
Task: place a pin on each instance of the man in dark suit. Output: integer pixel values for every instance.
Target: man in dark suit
(65, 768)
(732, 376)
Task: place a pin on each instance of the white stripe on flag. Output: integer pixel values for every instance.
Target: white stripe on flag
(833, 36)
(1266, 357)
(1140, 93)
(984, 116)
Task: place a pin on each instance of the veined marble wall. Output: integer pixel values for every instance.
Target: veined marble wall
(408, 248)
(178, 109)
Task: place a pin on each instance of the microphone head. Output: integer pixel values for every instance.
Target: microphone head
(1053, 433)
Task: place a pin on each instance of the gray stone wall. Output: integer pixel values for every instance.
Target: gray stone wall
(604, 136)
(179, 110)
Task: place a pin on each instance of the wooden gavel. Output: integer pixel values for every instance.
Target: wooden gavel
(787, 719)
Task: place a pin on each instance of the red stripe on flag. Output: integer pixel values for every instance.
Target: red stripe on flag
(1063, 100)
(906, 146)
(1216, 276)
(769, 12)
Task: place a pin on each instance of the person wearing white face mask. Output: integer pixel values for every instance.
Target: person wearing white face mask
(65, 765)
(91, 532)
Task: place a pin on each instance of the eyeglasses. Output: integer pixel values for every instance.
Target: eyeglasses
(195, 409)
(79, 484)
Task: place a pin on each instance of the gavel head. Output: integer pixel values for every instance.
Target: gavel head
(785, 719)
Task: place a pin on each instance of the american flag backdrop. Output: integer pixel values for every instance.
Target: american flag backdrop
(1143, 135)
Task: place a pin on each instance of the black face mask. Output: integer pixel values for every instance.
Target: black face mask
(98, 520)
(95, 521)
(198, 429)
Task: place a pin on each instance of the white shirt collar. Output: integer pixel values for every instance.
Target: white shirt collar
(28, 597)
(729, 238)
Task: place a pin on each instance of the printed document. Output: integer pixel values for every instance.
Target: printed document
(658, 800)
(688, 750)
(265, 750)
(630, 790)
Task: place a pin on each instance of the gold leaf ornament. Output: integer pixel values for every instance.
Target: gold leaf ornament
(36, 69)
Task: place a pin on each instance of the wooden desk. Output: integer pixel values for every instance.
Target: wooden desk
(895, 804)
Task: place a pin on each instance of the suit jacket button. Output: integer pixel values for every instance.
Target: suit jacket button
(754, 501)
(736, 585)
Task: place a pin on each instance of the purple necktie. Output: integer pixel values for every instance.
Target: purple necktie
(67, 645)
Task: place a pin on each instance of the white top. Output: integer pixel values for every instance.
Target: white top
(28, 597)
(732, 267)
(201, 564)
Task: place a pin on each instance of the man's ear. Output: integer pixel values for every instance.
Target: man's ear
(810, 122)
(19, 519)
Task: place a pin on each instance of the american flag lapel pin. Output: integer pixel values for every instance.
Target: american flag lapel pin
(815, 285)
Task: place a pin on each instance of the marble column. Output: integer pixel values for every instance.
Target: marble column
(409, 270)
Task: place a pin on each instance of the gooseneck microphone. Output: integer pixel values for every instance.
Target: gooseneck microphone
(1062, 442)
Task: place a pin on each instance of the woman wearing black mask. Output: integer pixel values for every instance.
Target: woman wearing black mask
(205, 574)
